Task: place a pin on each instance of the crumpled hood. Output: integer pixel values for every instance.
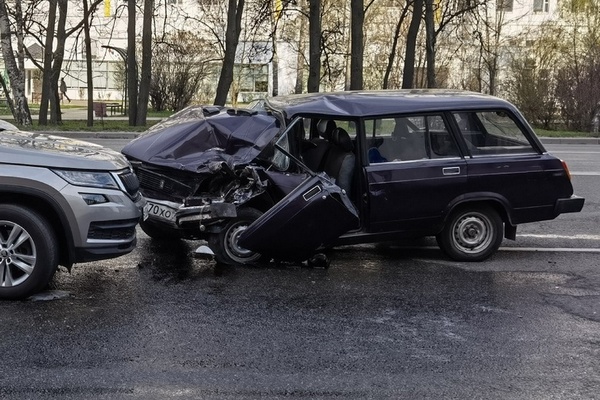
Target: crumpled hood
(197, 136)
(38, 149)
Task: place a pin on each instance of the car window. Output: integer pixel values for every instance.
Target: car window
(409, 138)
(280, 160)
(492, 132)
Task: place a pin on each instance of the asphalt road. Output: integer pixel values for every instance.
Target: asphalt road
(383, 322)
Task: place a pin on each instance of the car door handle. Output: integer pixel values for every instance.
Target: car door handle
(451, 171)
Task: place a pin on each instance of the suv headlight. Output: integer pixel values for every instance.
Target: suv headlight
(102, 180)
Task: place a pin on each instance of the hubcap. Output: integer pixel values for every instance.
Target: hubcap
(17, 254)
(235, 248)
(472, 233)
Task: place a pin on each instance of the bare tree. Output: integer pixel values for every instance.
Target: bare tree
(357, 48)
(232, 35)
(395, 43)
(314, 46)
(132, 72)
(16, 71)
(144, 90)
(180, 63)
(408, 76)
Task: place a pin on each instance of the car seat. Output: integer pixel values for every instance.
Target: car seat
(315, 150)
(340, 160)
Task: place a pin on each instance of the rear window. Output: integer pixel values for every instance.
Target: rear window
(492, 133)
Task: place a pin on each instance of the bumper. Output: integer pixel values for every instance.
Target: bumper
(570, 205)
(179, 216)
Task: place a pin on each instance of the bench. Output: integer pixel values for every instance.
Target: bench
(115, 108)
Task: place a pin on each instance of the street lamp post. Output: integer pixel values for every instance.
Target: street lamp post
(123, 53)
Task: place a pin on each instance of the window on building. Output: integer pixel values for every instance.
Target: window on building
(541, 6)
(504, 5)
(253, 77)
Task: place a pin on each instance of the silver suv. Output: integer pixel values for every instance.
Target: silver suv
(62, 201)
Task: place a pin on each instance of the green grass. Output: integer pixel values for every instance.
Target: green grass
(81, 125)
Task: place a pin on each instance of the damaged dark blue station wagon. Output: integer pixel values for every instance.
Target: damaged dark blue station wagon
(305, 172)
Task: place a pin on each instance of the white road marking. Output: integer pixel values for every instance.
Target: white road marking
(575, 152)
(551, 249)
(552, 236)
(577, 173)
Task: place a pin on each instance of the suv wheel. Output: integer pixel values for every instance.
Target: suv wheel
(28, 252)
(471, 234)
(224, 244)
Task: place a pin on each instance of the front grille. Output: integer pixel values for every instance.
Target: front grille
(130, 181)
(112, 230)
(158, 183)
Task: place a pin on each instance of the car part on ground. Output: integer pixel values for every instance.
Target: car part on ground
(461, 166)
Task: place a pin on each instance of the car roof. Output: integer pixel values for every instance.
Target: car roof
(382, 102)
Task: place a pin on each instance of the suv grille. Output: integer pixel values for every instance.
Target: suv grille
(112, 230)
(130, 181)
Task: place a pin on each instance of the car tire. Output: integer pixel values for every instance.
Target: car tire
(224, 244)
(28, 252)
(471, 233)
(158, 232)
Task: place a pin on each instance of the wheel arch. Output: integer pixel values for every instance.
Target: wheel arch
(497, 202)
(47, 207)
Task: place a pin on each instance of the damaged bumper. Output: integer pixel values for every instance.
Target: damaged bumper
(178, 215)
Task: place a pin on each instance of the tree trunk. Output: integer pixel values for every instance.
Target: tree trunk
(146, 73)
(314, 46)
(132, 72)
(58, 57)
(357, 45)
(408, 76)
(88, 63)
(430, 43)
(392, 56)
(48, 44)
(21, 111)
(300, 60)
(232, 37)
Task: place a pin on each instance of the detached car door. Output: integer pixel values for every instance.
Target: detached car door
(312, 215)
(414, 172)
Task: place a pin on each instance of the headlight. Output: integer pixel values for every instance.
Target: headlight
(88, 178)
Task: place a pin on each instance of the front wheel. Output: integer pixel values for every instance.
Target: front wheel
(225, 243)
(28, 252)
(471, 234)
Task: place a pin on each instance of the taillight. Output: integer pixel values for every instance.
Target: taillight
(566, 168)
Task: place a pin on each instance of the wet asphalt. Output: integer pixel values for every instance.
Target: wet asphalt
(381, 322)
(388, 321)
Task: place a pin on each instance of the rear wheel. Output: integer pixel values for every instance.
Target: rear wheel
(225, 243)
(471, 233)
(28, 252)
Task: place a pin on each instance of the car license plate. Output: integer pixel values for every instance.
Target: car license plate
(159, 211)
